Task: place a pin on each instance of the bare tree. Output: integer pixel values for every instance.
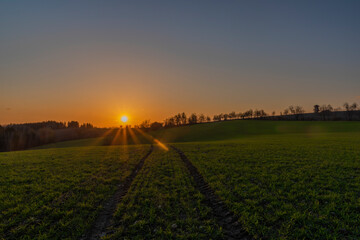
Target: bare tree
(325, 111)
(169, 122)
(316, 108)
(221, 116)
(183, 119)
(178, 119)
(193, 119)
(299, 111)
(232, 115)
(350, 109)
(354, 106)
(202, 118)
(292, 109)
(145, 124)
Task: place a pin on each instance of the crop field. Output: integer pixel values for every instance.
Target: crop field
(56, 193)
(274, 180)
(163, 203)
(289, 187)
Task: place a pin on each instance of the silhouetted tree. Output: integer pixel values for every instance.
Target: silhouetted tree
(145, 124)
(87, 125)
(232, 115)
(250, 113)
(291, 109)
(299, 111)
(259, 113)
(316, 108)
(208, 119)
(193, 119)
(183, 119)
(178, 119)
(221, 116)
(202, 118)
(354, 106)
(325, 111)
(350, 109)
(170, 122)
(73, 124)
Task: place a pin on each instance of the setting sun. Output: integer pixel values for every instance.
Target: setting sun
(124, 119)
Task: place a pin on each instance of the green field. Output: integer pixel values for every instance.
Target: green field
(163, 203)
(289, 187)
(283, 180)
(56, 193)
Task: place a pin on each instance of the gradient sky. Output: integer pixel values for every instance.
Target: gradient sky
(93, 61)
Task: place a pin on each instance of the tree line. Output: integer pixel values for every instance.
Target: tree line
(27, 135)
(320, 112)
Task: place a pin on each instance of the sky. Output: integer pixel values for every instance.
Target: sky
(94, 61)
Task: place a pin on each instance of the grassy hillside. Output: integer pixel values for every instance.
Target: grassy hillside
(232, 130)
(219, 131)
(74, 143)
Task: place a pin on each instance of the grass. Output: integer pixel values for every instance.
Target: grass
(241, 129)
(56, 193)
(284, 180)
(293, 186)
(87, 142)
(164, 204)
(219, 131)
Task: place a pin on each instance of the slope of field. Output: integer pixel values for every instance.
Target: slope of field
(291, 187)
(57, 193)
(87, 142)
(217, 131)
(238, 129)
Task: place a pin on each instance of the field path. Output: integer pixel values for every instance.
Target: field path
(226, 219)
(103, 220)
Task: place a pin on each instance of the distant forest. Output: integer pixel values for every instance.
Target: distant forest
(24, 136)
(27, 135)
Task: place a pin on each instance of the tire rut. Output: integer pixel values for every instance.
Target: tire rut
(226, 219)
(103, 220)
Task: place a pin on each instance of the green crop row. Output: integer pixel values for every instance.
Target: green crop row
(163, 203)
(290, 187)
(57, 193)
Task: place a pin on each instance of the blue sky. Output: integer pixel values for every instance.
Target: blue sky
(95, 60)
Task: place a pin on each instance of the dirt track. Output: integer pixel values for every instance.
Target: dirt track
(103, 220)
(226, 219)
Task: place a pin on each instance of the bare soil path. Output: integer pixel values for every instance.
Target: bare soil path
(103, 220)
(226, 219)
